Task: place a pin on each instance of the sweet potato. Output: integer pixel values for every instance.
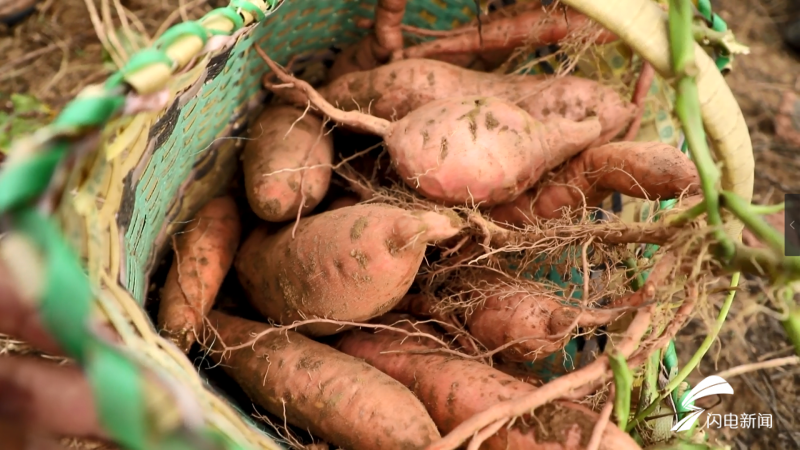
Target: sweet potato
(453, 390)
(376, 47)
(394, 90)
(334, 396)
(539, 321)
(283, 141)
(505, 30)
(649, 170)
(481, 150)
(354, 58)
(203, 255)
(353, 263)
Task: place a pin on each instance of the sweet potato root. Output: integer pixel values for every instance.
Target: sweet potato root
(353, 263)
(453, 390)
(540, 323)
(506, 30)
(284, 139)
(394, 90)
(203, 255)
(336, 397)
(649, 170)
(458, 150)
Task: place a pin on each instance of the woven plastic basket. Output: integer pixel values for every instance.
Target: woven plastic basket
(100, 191)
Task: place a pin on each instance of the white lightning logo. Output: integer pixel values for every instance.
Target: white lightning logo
(712, 385)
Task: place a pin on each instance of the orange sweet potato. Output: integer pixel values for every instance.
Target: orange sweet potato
(506, 29)
(376, 47)
(334, 396)
(458, 150)
(282, 141)
(453, 390)
(394, 90)
(649, 170)
(540, 322)
(203, 255)
(353, 263)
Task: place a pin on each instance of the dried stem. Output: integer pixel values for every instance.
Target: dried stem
(353, 119)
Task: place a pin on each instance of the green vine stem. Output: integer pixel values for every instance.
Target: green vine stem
(792, 322)
(696, 358)
(744, 212)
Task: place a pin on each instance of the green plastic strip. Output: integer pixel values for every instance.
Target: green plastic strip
(180, 30)
(90, 110)
(249, 7)
(229, 14)
(25, 180)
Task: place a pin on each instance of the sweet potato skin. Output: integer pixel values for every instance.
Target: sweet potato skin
(394, 90)
(204, 253)
(273, 147)
(353, 263)
(480, 149)
(453, 390)
(376, 47)
(336, 397)
(504, 30)
(502, 319)
(638, 169)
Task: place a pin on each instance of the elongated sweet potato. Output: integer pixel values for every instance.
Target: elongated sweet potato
(336, 397)
(649, 170)
(481, 150)
(506, 29)
(539, 324)
(376, 47)
(453, 390)
(505, 315)
(203, 255)
(394, 90)
(285, 139)
(353, 263)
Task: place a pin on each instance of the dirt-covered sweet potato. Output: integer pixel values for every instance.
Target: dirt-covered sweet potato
(376, 48)
(466, 150)
(204, 253)
(352, 263)
(454, 389)
(394, 90)
(504, 30)
(334, 396)
(283, 140)
(650, 170)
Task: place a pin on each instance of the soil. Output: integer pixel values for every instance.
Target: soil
(56, 51)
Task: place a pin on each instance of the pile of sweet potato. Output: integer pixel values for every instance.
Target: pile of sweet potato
(343, 341)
